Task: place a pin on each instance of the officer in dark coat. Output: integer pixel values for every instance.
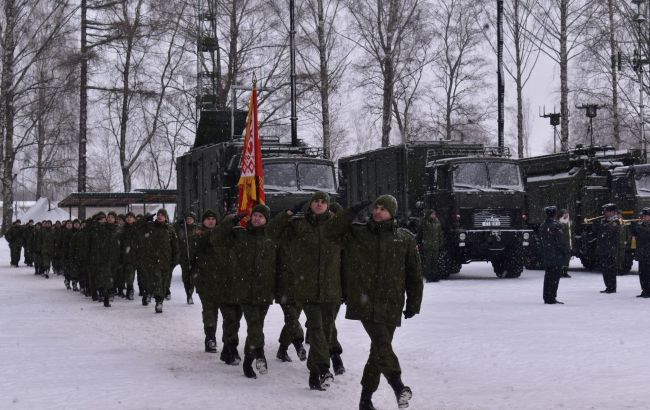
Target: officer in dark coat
(15, 237)
(608, 246)
(383, 281)
(642, 233)
(555, 252)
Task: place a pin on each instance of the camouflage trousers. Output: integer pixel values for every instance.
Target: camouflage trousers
(254, 315)
(320, 320)
(231, 315)
(382, 359)
(128, 276)
(292, 330)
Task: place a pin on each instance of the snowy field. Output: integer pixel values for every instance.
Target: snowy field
(479, 343)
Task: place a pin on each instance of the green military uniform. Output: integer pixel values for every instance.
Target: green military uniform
(129, 242)
(81, 258)
(57, 257)
(310, 276)
(64, 244)
(609, 244)
(28, 243)
(15, 238)
(254, 268)
(382, 264)
(101, 256)
(430, 237)
(115, 235)
(184, 232)
(71, 260)
(45, 244)
(159, 257)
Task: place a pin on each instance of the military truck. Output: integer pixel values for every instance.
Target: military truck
(581, 181)
(422, 174)
(481, 203)
(208, 174)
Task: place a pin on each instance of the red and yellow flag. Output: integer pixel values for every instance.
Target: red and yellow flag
(251, 182)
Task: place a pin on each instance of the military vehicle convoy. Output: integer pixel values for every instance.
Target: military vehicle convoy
(478, 193)
(208, 174)
(581, 181)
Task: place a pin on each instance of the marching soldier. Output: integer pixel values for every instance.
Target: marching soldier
(28, 242)
(129, 252)
(101, 251)
(382, 264)
(555, 252)
(642, 233)
(185, 231)
(15, 238)
(45, 244)
(608, 246)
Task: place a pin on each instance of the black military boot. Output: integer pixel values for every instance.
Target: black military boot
(314, 379)
(282, 354)
(248, 367)
(236, 359)
(300, 350)
(168, 295)
(402, 393)
(226, 354)
(129, 294)
(366, 400)
(159, 305)
(210, 339)
(120, 293)
(94, 296)
(75, 286)
(145, 300)
(66, 282)
(107, 302)
(190, 301)
(260, 361)
(337, 364)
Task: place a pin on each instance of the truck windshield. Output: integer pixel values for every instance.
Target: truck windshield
(316, 177)
(643, 185)
(487, 175)
(280, 176)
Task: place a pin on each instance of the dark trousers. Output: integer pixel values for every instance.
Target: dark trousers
(254, 315)
(210, 310)
(15, 254)
(644, 277)
(335, 346)
(292, 330)
(231, 315)
(320, 320)
(551, 282)
(187, 279)
(382, 359)
(609, 277)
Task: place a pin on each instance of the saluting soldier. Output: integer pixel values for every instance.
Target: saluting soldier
(15, 238)
(382, 265)
(555, 253)
(310, 276)
(642, 233)
(608, 246)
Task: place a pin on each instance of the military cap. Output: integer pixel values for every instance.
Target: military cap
(550, 210)
(129, 214)
(17, 221)
(209, 214)
(610, 207)
(99, 215)
(320, 195)
(163, 211)
(190, 215)
(262, 209)
(75, 221)
(389, 202)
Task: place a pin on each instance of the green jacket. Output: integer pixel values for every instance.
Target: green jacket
(46, 243)
(100, 245)
(79, 249)
(310, 262)
(129, 244)
(211, 266)
(254, 263)
(15, 236)
(382, 265)
(160, 250)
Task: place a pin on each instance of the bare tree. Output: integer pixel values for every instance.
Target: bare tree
(459, 69)
(29, 27)
(387, 31)
(564, 23)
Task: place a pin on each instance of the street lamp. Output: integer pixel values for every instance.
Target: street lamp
(639, 60)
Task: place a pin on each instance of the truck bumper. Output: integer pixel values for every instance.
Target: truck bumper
(484, 244)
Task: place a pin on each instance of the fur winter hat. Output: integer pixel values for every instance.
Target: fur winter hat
(389, 202)
(129, 214)
(163, 211)
(99, 215)
(264, 210)
(209, 214)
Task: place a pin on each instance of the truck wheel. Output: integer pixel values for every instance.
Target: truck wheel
(446, 264)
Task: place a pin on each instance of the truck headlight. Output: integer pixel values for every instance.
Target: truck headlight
(462, 236)
(526, 236)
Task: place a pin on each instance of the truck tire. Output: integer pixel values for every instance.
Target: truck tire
(446, 264)
(510, 265)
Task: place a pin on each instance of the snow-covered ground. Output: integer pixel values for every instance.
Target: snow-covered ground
(479, 343)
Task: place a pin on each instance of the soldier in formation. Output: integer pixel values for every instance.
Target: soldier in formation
(642, 233)
(15, 236)
(609, 247)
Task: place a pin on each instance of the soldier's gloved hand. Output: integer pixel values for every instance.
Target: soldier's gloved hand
(298, 208)
(149, 217)
(360, 206)
(239, 216)
(408, 314)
